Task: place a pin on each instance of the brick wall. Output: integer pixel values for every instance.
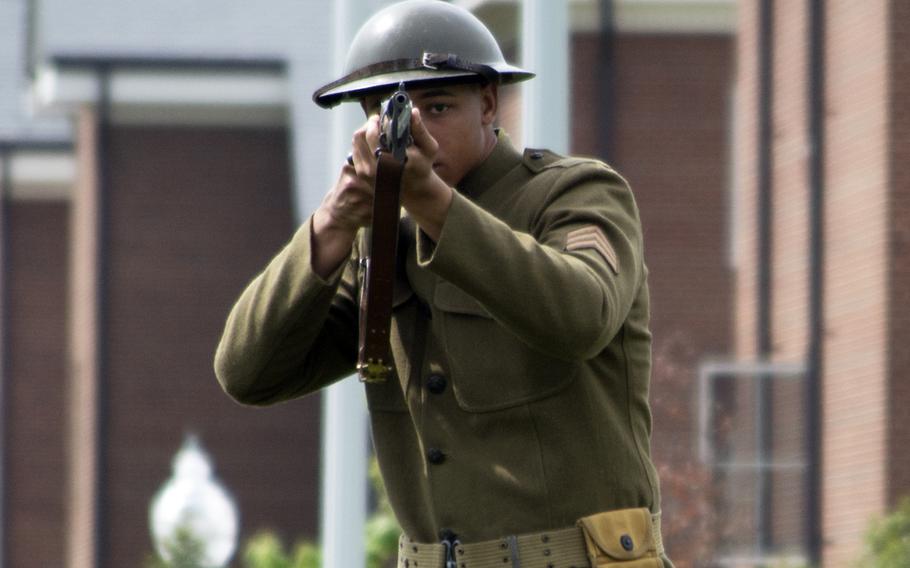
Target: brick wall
(194, 214)
(745, 179)
(671, 137)
(790, 265)
(856, 232)
(35, 386)
(672, 105)
(899, 302)
(789, 184)
(672, 126)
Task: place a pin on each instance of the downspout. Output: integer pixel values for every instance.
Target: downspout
(816, 278)
(545, 48)
(31, 47)
(764, 434)
(5, 188)
(606, 72)
(103, 76)
(345, 423)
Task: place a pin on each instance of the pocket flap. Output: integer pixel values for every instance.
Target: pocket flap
(450, 298)
(620, 535)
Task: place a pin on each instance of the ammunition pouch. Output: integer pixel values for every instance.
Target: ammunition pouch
(627, 538)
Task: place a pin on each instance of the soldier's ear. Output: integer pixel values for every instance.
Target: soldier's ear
(489, 100)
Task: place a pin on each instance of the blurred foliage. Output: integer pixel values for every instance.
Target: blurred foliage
(184, 550)
(688, 492)
(265, 550)
(382, 530)
(887, 540)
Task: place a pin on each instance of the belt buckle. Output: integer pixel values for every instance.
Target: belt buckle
(450, 552)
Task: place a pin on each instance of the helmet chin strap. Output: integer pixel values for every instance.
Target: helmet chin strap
(438, 61)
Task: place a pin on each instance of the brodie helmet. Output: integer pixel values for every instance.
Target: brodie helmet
(419, 41)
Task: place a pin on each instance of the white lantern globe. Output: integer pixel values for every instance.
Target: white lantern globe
(192, 500)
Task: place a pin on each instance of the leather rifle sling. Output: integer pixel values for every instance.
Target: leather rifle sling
(373, 360)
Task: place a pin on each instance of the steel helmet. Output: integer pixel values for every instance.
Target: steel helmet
(419, 41)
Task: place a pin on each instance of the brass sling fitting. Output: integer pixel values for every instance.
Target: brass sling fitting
(374, 371)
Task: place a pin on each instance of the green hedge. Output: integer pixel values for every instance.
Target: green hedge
(887, 541)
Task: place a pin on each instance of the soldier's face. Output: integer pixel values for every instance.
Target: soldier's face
(460, 119)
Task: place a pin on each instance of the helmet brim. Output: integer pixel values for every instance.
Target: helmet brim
(334, 93)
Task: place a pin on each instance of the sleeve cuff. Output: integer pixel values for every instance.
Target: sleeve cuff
(307, 251)
(428, 251)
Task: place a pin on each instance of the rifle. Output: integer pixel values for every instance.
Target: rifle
(373, 361)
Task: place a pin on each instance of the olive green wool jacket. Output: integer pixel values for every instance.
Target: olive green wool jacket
(520, 341)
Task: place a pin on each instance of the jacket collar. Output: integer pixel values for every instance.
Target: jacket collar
(502, 159)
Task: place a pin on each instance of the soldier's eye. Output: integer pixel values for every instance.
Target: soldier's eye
(437, 108)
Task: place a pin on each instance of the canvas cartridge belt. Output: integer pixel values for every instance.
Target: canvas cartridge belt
(627, 538)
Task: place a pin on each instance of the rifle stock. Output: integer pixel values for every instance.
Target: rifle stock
(374, 362)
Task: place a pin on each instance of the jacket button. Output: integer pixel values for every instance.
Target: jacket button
(626, 542)
(536, 155)
(436, 456)
(436, 384)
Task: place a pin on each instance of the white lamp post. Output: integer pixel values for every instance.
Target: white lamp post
(194, 502)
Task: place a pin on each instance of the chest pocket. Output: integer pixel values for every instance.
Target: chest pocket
(490, 367)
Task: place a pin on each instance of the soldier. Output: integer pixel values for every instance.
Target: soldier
(515, 429)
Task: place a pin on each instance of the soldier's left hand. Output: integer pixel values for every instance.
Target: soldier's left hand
(423, 193)
(419, 173)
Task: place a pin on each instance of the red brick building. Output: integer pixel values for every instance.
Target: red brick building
(116, 290)
(116, 284)
(821, 144)
(35, 222)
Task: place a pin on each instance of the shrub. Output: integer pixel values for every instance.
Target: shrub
(382, 531)
(266, 551)
(184, 551)
(887, 541)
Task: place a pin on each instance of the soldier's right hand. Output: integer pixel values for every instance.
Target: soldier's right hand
(348, 205)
